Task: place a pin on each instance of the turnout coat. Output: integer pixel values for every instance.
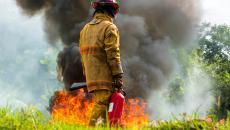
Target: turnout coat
(99, 48)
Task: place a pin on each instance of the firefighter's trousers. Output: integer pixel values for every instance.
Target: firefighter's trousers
(101, 105)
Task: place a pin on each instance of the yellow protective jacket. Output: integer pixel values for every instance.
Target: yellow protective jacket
(99, 48)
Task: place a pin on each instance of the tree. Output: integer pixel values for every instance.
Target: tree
(214, 51)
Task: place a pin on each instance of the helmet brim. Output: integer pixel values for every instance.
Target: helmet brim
(96, 4)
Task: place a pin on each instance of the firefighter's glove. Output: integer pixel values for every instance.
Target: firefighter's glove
(117, 81)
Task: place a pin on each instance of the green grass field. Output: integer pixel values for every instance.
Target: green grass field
(32, 119)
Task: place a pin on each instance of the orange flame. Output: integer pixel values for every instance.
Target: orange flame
(76, 109)
(72, 108)
(135, 114)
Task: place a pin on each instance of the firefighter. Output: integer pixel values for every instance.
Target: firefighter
(100, 53)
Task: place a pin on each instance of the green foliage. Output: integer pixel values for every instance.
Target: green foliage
(32, 119)
(176, 90)
(27, 118)
(187, 61)
(213, 57)
(215, 43)
(214, 53)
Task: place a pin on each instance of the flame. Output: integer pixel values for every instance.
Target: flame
(134, 114)
(76, 108)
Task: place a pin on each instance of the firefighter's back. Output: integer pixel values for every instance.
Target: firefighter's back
(94, 57)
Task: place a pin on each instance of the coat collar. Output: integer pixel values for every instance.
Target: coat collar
(98, 17)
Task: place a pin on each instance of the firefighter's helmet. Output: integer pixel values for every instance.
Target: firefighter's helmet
(113, 3)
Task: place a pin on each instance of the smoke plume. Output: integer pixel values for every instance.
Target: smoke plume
(173, 18)
(62, 17)
(148, 28)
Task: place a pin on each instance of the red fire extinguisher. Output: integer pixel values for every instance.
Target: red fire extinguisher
(116, 107)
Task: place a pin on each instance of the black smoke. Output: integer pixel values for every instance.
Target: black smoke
(148, 28)
(63, 18)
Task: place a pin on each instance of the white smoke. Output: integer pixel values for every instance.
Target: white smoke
(197, 98)
(23, 79)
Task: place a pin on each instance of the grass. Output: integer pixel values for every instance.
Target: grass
(32, 119)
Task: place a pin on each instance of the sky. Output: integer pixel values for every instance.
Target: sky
(216, 11)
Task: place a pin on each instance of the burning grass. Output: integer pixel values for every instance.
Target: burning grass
(75, 108)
